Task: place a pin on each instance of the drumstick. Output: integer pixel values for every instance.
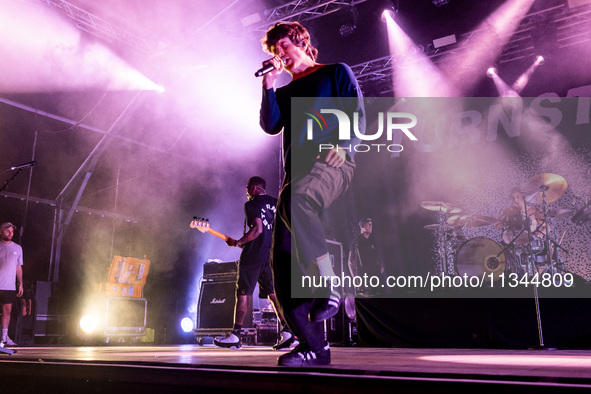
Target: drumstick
(564, 232)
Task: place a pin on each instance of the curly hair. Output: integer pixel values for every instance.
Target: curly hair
(296, 33)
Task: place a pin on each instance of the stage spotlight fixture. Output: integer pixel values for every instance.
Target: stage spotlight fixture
(440, 3)
(491, 72)
(389, 12)
(347, 29)
(540, 60)
(187, 324)
(349, 18)
(88, 323)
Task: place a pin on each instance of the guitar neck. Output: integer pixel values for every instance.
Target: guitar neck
(218, 234)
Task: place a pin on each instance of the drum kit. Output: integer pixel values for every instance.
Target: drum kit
(457, 255)
(529, 242)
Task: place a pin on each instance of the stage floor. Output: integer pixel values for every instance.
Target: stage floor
(192, 368)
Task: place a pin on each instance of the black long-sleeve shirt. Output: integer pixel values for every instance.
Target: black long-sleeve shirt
(332, 86)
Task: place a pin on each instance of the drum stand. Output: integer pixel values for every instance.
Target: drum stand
(517, 260)
(444, 247)
(442, 243)
(550, 241)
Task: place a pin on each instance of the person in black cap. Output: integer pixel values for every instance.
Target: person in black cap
(364, 255)
(11, 268)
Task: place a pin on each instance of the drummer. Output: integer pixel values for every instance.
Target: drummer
(511, 220)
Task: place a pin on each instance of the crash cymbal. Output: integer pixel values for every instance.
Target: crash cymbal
(458, 220)
(553, 184)
(583, 215)
(558, 213)
(440, 206)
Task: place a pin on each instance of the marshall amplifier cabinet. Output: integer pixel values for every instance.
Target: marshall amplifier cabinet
(215, 314)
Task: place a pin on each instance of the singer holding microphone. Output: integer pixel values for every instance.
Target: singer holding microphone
(314, 179)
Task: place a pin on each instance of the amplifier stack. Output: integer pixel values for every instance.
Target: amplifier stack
(217, 300)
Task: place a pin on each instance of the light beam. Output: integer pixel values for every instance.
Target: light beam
(42, 52)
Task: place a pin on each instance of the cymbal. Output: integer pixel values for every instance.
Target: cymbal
(481, 220)
(458, 220)
(440, 206)
(582, 215)
(558, 213)
(553, 184)
(474, 220)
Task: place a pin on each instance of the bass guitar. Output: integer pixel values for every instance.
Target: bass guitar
(203, 226)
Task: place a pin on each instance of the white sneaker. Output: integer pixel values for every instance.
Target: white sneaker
(6, 341)
(229, 341)
(288, 340)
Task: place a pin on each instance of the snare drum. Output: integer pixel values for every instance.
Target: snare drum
(480, 256)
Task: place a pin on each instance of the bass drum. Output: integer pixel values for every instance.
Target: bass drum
(479, 256)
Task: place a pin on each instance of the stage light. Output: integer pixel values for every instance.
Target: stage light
(491, 72)
(349, 19)
(388, 13)
(523, 79)
(187, 324)
(88, 323)
(445, 41)
(440, 3)
(347, 29)
(480, 50)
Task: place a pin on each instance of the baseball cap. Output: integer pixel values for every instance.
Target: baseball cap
(7, 225)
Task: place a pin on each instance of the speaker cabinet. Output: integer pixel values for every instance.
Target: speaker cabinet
(126, 314)
(216, 306)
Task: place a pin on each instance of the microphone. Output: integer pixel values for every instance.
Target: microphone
(26, 165)
(266, 69)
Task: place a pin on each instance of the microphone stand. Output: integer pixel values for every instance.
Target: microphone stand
(533, 267)
(10, 180)
(543, 188)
